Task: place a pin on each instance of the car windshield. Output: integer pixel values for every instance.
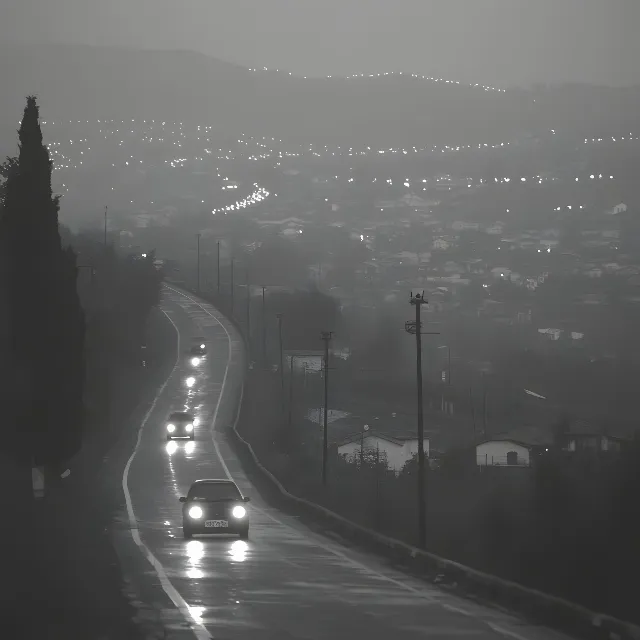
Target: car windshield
(212, 491)
(180, 417)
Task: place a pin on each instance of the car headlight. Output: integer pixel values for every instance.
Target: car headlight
(171, 428)
(195, 361)
(202, 346)
(239, 512)
(195, 513)
(189, 427)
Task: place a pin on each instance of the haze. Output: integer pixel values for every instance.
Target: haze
(501, 42)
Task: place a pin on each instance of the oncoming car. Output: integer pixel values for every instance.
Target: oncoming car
(180, 424)
(215, 506)
(199, 347)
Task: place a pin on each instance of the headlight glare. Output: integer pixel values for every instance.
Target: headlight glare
(171, 428)
(195, 513)
(239, 511)
(189, 427)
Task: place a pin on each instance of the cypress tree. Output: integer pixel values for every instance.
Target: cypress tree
(45, 321)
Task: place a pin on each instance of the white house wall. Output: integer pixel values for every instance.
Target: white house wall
(495, 453)
(397, 455)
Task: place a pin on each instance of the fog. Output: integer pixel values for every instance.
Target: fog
(308, 169)
(497, 42)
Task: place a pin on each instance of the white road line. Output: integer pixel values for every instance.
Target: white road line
(198, 629)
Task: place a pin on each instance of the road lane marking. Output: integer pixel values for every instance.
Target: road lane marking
(193, 618)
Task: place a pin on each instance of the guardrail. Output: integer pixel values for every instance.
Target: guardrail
(532, 603)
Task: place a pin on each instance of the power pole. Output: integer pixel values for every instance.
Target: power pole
(105, 226)
(264, 331)
(326, 337)
(218, 271)
(279, 316)
(198, 264)
(248, 310)
(416, 328)
(232, 286)
(290, 392)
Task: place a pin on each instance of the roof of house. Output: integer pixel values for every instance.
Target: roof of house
(527, 436)
(398, 440)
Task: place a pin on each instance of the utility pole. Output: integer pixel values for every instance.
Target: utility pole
(232, 287)
(198, 264)
(264, 330)
(279, 316)
(416, 328)
(218, 271)
(326, 337)
(290, 392)
(248, 310)
(449, 365)
(484, 407)
(105, 226)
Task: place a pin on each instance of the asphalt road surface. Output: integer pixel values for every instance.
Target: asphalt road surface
(285, 582)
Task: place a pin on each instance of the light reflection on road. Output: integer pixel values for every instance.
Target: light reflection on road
(238, 550)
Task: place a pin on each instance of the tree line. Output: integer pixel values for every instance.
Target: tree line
(73, 316)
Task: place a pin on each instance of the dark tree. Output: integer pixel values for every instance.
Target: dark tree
(45, 321)
(5, 170)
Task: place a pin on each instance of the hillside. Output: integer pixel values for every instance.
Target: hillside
(92, 82)
(83, 82)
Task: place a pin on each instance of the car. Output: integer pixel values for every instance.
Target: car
(199, 347)
(215, 507)
(181, 424)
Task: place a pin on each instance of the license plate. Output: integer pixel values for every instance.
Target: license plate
(216, 524)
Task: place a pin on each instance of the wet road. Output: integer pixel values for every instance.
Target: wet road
(285, 582)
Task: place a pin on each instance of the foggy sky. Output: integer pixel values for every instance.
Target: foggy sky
(499, 42)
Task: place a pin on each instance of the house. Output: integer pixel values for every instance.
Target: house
(550, 333)
(515, 448)
(441, 243)
(495, 229)
(501, 272)
(583, 437)
(416, 202)
(498, 453)
(288, 226)
(398, 449)
(619, 208)
(462, 225)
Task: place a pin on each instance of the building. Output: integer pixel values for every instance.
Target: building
(583, 437)
(515, 448)
(497, 453)
(398, 449)
(464, 225)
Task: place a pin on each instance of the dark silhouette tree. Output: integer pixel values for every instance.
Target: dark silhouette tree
(45, 321)
(5, 169)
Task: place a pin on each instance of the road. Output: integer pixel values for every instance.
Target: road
(286, 582)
